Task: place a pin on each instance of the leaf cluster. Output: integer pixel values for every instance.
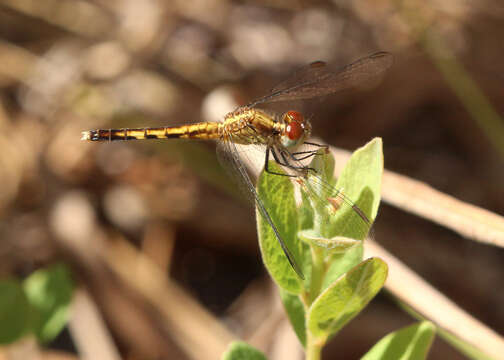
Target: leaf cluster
(327, 240)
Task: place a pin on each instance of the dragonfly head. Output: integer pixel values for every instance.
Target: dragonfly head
(296, 129)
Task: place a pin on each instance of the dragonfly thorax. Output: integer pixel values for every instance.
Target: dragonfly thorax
(250, 126)
(295, 129)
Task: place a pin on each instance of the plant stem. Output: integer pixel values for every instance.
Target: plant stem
(318, 270)
(313, 348)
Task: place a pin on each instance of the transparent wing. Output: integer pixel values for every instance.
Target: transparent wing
(228, 155)
(319, 79)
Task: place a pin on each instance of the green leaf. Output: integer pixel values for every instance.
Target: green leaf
(277, 194)
(295, 311)
(305, 216)
(305, 213)
(360, 181)
(328, 206)
(323, 163)
(14, 311)
(341, 263)
(240, 350)
(338, 244)
(317, 188)
(469, 350)
(49, 291)
(410, 343)
(345, 298)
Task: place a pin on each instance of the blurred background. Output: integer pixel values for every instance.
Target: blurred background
(160, 247)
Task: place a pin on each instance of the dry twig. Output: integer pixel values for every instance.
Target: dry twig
(419, 198)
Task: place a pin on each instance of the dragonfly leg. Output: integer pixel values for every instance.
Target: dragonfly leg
(309, 153)
(284, 162)
(275, 156)
(315, 144)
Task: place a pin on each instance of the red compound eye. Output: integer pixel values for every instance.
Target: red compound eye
(295, 116)
(294, 130)
(294, 121)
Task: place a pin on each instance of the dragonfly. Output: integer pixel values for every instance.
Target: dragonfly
(281, 135)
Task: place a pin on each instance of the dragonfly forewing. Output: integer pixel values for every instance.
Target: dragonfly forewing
(320, 79)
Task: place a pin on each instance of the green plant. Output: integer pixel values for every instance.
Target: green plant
(338, 282)
(38, 305)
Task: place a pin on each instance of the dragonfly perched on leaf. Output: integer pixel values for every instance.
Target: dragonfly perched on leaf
(282, 137)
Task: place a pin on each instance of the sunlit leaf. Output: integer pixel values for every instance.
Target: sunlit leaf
(330, 204)
(469, 350)
(338, 244)
(240, 350)
(50, 291)
(305, 213)
(345, 298)
(277, 194)
(295, 311)
(341, 263)
(360, 181)
(410, 343)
